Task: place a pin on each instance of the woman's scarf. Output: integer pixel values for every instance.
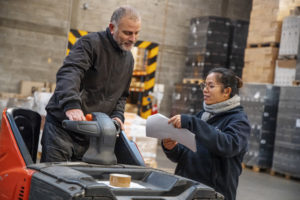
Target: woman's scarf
(211, 110)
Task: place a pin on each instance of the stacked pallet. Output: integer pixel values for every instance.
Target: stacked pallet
(260, 102)
(288, 7)
(187, 98)
(236, 49)
(30, 92)
(287, 142)
(264, 27)
(285, 73)
(262, 43)
(207, 46)
(266, 64)
(260, 64)
(264, 37)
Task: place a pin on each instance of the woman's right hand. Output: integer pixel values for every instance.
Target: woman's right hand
(169, 144)
(176, 121)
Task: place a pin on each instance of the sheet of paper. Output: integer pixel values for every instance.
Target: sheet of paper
(157, 126)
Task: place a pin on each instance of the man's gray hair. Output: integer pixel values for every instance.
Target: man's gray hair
(122, 11)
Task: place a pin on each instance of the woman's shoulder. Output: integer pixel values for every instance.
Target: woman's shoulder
(238, 114)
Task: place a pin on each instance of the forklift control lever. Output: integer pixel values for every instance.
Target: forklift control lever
(103, 132)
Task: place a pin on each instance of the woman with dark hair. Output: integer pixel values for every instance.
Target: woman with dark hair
(221, 130)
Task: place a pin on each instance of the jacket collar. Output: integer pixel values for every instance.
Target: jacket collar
(113, 42)
(234, 110)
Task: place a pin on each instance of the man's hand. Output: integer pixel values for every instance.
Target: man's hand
(120, 122)
(176, 121)
(75, 115)
(169, 143)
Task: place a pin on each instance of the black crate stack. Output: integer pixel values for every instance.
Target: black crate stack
(238, 43)
(186, 99)
(260, 102)
(213, 42)
(287, 143)
(207, 46)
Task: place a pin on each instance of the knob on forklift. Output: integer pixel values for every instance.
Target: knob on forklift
(22, 178)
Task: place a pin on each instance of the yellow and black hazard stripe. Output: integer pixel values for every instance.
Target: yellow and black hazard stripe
(74, 34)
(152, 52)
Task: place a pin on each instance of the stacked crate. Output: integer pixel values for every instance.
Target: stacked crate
(238, 42)
(187, 98)
(287, 143)
(260, 102)
(260, 64)
(264, 37)
(262, 43)
(285, 73)
(287, 7)
(207, 49)
(213, 42)
(207, 46)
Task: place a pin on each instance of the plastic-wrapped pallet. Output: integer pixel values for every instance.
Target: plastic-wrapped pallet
(207, 46)
(289, 52)
(285, 72)
(260, 102)
(186, 99)
(290, 37)
(238, 41)
(135, 129)
(286, 158)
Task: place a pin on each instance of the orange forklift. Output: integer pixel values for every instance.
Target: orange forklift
(109, 152)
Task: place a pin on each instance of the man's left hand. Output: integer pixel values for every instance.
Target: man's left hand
(120, 122)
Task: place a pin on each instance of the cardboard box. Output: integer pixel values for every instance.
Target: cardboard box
(52, 87)
(131, 108)
(285, 72)
(264, 26)
(29, 87)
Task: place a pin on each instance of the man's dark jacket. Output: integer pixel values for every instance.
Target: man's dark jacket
(221, 145)
(95, 77)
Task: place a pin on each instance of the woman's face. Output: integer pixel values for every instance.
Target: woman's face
(214, 92)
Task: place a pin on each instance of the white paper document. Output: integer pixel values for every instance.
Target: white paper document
(157, 126)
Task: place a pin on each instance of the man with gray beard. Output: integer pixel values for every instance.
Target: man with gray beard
(95, 77)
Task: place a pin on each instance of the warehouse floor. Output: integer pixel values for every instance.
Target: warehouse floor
(253, 185)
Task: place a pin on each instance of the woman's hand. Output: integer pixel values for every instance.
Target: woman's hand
(176, 121)
(169, 143)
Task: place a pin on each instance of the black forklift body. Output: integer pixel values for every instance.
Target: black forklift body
(84, 181)
(87, 181)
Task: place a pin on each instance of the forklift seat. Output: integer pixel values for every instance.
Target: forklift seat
(28, 123)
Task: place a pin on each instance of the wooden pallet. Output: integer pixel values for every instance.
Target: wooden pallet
(255, 168)
(268, 44)
(284, 175)
(296, 83)
(192, 81)
(287, 57)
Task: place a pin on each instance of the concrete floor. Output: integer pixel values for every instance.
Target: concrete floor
(253, 185)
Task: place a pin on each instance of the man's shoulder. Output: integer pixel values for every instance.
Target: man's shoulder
(93, 35)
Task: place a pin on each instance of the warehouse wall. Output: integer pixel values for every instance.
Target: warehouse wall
(33, 34)
(32, 40)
